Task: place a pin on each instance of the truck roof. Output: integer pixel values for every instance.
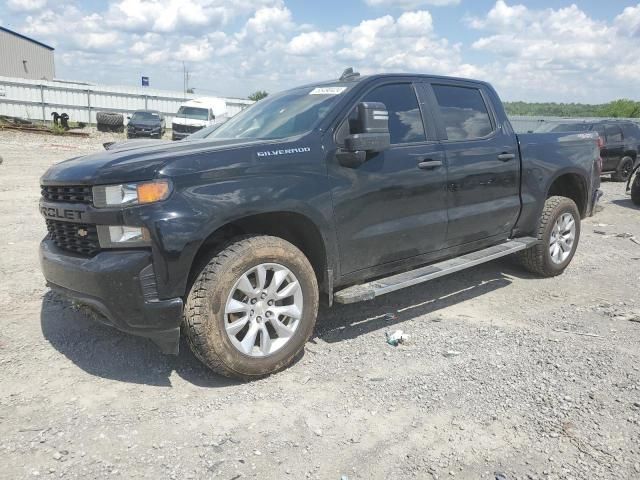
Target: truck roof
(355, 78)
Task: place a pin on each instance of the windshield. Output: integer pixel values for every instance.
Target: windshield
(193, 112)
(145, 117)
(282, 115)
(572, 127)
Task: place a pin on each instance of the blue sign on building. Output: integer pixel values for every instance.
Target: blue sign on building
(145, 81)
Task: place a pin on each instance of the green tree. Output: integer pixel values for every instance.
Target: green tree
(258, 95)
(618, 108)
(623, 108)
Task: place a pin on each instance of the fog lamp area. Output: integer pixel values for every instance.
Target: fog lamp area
(122, 236)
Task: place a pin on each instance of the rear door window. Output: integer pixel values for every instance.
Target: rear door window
(614, 134)
(463, 112)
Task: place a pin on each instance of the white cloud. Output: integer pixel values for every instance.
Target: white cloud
(172, 15)
(558, 54)
(26, 5)
(194, 51)
(312, 42)
(233, 47)
(628, 22)
(410, 4)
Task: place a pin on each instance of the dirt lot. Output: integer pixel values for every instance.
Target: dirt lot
(505, 376)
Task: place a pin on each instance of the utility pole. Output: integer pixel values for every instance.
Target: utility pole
(185, 79)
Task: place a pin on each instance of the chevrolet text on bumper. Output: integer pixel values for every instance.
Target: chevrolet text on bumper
(341, 191)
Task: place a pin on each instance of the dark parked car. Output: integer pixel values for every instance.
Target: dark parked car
(342, 191)
(146, 123)
(620, 144)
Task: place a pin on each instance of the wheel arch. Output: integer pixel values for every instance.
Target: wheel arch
(295, 227)
(573, 185)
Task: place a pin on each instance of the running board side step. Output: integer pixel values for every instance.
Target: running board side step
(371, 290)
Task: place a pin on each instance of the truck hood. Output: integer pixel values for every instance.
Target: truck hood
(133, 162)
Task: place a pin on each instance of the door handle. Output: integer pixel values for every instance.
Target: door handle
(505, 157)
(429, 164)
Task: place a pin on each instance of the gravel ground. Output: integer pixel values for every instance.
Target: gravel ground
(505, 375)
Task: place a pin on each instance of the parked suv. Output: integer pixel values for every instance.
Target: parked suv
(620, 144)
(342, 191)
(146, 123)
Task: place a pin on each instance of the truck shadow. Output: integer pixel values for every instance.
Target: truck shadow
(108, 353)
(342, 322)
(626, 203)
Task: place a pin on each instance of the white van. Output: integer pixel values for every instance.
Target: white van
(196, 114)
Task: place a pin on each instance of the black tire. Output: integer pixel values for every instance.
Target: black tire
(537, 259)
(205, 319)
(635, 190)
(623, 171)
(111, 119)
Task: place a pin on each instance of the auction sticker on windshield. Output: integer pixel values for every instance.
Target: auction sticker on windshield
(327, 90)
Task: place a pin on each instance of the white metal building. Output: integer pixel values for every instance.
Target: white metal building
(38, 99)
(24, 57)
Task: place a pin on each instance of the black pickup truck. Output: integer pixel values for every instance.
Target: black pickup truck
(346, 190)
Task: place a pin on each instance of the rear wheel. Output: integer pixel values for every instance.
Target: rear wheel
(558, 235)
(252, 308)
(625, 167)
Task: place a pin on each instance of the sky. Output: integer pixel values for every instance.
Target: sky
(532, 50)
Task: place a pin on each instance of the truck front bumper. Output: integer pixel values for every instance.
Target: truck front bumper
(179, 135)
(120, 286)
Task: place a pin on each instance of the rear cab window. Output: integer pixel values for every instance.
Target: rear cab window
(463, 112)
(631, 131)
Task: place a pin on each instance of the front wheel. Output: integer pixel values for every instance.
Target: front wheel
(252, 308)
(558, 235)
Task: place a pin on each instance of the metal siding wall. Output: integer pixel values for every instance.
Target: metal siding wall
(13, 50)
(24, 98)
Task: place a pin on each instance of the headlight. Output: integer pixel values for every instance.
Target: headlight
(115, 236)
(131, 193)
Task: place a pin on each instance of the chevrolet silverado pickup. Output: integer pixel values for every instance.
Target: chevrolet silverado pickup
(343, 190)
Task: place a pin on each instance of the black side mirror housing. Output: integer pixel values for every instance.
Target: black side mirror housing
(372, 134)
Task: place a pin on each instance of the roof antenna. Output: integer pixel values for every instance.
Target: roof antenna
(348, 73)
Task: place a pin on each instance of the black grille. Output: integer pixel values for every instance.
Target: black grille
(185, 128)
(74, 237)
(67, 193)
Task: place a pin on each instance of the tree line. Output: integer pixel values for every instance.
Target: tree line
(623, 108)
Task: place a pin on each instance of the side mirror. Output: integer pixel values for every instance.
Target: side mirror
(372, 130)
(372, 134)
